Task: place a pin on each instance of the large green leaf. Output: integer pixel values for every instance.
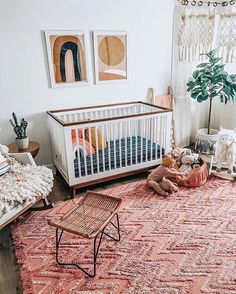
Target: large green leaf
(195, 74)
(197, 89)
(205, 97)
(191, 83)
(205, 64)
(200, 98)
(227, 90)
(218, 72)
(195, 95)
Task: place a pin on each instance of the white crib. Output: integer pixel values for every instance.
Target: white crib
(100, 143)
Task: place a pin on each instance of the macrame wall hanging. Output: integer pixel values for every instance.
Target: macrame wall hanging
(201, 28)
(226, 37)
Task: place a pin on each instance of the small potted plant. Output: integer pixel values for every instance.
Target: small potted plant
(208, 81)
(22, 141)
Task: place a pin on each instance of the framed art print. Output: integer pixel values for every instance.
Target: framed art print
(67, 58)
(110, 56)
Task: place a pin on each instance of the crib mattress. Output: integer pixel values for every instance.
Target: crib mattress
(123, 152)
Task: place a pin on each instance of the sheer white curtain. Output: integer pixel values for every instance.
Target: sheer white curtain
(198, 30)
(226, 113)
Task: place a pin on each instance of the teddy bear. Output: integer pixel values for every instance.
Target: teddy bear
(189, 161)
(160, 178)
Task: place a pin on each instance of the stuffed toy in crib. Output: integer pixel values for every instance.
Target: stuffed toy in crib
(159, 178)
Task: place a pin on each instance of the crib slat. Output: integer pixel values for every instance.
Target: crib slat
(136, 142)
(130, 140)
(91, 148)
(108, 128)
(151, 138)
(125, 136)
(157, 140)
(78, 153)
(164, 135)
(165, 128)
(97, 151)
(85, 152)
(131, 143)
(120, 149)
(141, 132)
(146, 136)
(161, 136)
(103, 148)
(115, 132)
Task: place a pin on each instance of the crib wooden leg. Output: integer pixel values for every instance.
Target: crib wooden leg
(72, 192)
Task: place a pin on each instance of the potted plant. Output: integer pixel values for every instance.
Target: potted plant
(22, 141)
(208, 82)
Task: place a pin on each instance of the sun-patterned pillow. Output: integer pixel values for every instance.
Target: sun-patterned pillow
(97, 138)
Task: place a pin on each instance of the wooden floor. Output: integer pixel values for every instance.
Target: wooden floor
(10, 282)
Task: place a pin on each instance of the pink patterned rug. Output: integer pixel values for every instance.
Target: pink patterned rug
(182, 244)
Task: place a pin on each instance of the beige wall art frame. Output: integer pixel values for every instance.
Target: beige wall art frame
(67, 58)
(110, 56)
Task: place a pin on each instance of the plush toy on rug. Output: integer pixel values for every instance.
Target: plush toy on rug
(159, 178)
(226, 149)
(189, 161)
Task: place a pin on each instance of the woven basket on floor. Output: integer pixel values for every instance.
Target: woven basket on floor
(197, 177)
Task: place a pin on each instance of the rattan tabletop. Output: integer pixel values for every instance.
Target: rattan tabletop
(90, 216)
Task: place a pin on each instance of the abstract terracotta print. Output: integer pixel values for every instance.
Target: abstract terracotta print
(68, 58)
(112, 57)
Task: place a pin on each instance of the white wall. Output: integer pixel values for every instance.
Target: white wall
(24, 83)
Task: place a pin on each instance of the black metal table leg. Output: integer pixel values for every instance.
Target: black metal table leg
(117, 226)
(95, 247)
(95, 253)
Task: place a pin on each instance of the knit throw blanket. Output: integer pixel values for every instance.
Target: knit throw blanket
(24, 183)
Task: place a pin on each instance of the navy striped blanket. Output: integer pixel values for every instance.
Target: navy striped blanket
(123, 152)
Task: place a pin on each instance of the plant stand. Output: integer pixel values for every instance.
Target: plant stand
(205, 143)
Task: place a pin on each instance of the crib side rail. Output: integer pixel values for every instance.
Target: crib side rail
(95, 150)
(104, 113)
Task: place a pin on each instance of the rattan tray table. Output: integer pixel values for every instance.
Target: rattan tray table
(89, 219)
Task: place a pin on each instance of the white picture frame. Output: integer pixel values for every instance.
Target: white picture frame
(67, 52)
(110, 50)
